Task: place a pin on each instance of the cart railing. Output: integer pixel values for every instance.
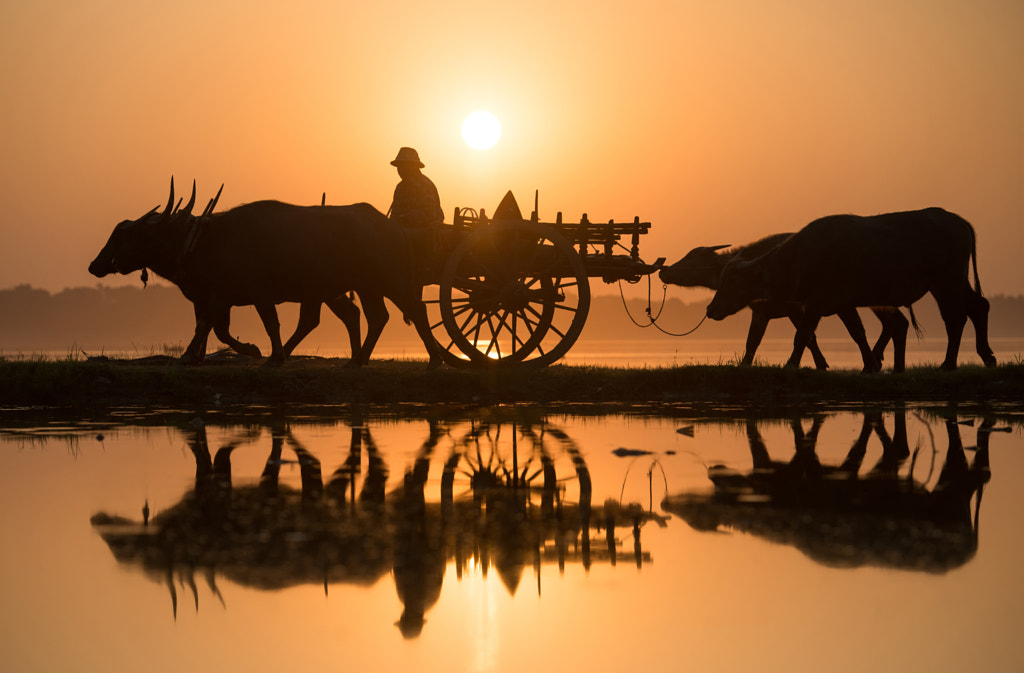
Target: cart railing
(592, 239)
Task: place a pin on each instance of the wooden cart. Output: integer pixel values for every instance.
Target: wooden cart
(504, 290)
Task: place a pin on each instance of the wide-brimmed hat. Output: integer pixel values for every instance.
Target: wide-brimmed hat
(407, 155)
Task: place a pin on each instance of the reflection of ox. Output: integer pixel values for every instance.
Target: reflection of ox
(267, 253)
(702, 267)
(501, 511)
(840, 262)
(841, 517)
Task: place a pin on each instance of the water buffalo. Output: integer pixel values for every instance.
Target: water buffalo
(266, 253)
(702, 267)
(840, 262)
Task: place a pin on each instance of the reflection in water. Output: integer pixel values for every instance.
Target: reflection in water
(502, 502)
(842, 517)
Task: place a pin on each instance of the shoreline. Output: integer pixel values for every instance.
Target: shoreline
(161, 381)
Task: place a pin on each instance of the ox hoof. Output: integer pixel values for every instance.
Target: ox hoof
(249, 350)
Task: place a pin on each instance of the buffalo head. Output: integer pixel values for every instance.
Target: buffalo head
(740, 284)
(698, 268)
(133, 243)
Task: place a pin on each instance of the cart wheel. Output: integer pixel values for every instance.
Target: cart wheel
(514, 292)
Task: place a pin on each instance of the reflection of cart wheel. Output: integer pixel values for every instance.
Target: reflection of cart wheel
(514, 293)
(536, 464)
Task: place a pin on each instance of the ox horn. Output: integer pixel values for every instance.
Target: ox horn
(164, 216)
(191, 201)
(719, 247)
(213, 202)
(170, 199)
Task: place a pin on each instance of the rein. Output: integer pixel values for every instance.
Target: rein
(652, 319)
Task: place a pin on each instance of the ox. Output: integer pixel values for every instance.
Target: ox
(266, 253)
(702, 267)
(840, 262)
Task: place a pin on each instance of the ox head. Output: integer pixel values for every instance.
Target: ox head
(134, 243)
(698, 268)
(740, 284)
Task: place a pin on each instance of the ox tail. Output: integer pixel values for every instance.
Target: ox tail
(974, 261)
(913, 321)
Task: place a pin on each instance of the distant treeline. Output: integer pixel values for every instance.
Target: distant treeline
(159, 319)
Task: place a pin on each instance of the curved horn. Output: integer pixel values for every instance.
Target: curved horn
(191, 201)
(170, 199)
(178, 205)
(213, 202)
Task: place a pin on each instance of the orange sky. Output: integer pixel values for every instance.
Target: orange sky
(719, 122)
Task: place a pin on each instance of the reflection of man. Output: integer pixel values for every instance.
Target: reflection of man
(419, 561)
(416, 203)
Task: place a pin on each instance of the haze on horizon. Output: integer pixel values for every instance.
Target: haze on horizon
(718, 122)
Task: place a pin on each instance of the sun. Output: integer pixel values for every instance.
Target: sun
(481, 130)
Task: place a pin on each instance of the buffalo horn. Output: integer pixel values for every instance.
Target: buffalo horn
(164, 216)
(213, 202)
(191, 201)
(170, 199)
(719, 247)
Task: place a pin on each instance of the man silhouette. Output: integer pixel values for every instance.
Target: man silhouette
(416, 203)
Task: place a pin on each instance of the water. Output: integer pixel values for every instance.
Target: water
(841, 352)
(849, 539)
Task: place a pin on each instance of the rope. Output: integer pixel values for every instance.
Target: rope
(653, 319)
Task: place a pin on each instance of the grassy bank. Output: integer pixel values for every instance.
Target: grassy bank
(160, 381)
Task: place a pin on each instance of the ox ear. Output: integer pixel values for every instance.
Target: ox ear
(191, 201)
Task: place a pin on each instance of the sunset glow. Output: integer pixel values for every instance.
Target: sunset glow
(716, 122)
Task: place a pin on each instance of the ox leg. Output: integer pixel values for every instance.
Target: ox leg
(977, 311)
(309, 318)
(758, 325)
(894, 328)
(195, 352)
(348, 313)
(221, 319)
(954, 314)
(806, 325)
(271, 323)
(884, 337)
(376, 318)
(855, 327)
(415, 311)
(819, 358)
